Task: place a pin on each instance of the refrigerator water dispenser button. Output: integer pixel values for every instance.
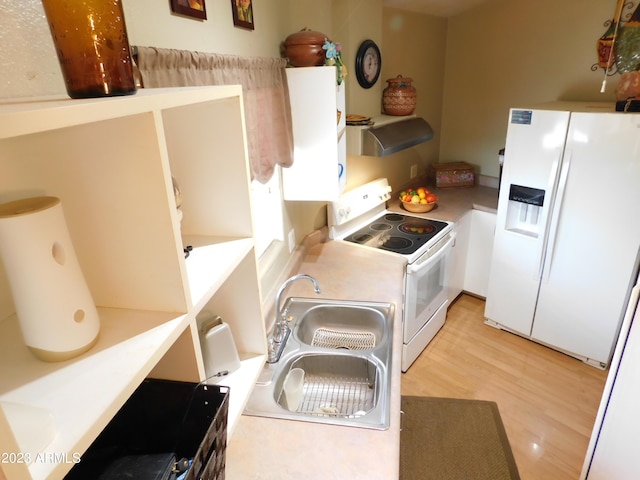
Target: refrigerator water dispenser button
(524, 210)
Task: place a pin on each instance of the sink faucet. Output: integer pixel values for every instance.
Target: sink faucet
(281, 330)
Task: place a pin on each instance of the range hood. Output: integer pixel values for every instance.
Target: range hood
(392, 134)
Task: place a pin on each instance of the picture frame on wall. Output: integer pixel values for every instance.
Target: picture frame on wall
(190, 8)
(242, 13)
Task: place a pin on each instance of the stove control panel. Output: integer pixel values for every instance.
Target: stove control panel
(359, 200)
(344, 212)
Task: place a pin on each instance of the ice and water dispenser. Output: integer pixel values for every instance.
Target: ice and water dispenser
(524, 211)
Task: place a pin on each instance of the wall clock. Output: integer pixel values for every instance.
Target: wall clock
(368, 64)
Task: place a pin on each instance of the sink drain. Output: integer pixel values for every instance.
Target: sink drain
(328, 338)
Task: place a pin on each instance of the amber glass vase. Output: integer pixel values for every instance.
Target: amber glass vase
(91, 40)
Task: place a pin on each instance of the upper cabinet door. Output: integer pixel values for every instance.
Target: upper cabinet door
(318, 115)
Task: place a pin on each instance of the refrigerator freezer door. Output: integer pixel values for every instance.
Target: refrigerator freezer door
(533, 151)
(592, 254)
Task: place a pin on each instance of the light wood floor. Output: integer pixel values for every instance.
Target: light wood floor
(547, 400)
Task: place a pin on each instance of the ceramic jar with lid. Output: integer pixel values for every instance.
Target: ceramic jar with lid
(304, 48)
(399, 97)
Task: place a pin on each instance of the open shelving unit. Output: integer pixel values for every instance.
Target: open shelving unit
(111, 162)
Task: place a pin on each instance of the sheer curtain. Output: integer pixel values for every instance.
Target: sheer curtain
(264, 88)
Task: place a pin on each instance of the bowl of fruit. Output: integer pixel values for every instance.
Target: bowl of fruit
(419, 200)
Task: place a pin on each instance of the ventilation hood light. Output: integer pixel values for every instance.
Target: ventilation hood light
(385, 139)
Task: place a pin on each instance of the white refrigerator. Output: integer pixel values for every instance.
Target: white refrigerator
(567, 236)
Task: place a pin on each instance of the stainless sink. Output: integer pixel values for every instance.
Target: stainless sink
(344, 350)
(351, 326)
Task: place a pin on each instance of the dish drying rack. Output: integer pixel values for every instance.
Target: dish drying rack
(329, 338)
(350, 393)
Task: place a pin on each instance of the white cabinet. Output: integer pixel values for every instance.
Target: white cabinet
(459, 256)
(318, 118)
(110, 161)
(478, 262)
(613, 448)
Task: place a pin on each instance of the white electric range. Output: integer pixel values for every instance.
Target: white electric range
(360, 216)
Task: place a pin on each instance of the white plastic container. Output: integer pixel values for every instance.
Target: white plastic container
(218, 347)
(293, 388)
(55, 310)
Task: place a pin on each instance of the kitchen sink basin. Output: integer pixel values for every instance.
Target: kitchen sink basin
(335, 366)
(333, 385)
(352, 327)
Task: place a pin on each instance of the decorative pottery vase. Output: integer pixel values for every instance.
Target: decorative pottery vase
(605, 44)
(399, 97)
(627, 44)
(55, 310)
(91, 40)
(304, 48)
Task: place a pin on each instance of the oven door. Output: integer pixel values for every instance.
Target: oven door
(426, 286)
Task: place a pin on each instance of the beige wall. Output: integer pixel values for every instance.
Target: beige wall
(356, 21)
(413, 45)
(512, 53)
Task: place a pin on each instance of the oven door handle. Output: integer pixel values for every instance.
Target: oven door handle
(432, 255)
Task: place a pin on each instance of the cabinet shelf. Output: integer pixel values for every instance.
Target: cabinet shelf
(111, 163)
(211, 262)
(84, 393)
(24, 117)
(240, 385)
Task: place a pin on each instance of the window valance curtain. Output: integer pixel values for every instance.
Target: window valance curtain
(264, 89)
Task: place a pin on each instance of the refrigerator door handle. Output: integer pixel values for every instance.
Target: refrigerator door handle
(555, 216)
(553, 177)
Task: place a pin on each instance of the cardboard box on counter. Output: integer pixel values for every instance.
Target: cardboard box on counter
(454, 174)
